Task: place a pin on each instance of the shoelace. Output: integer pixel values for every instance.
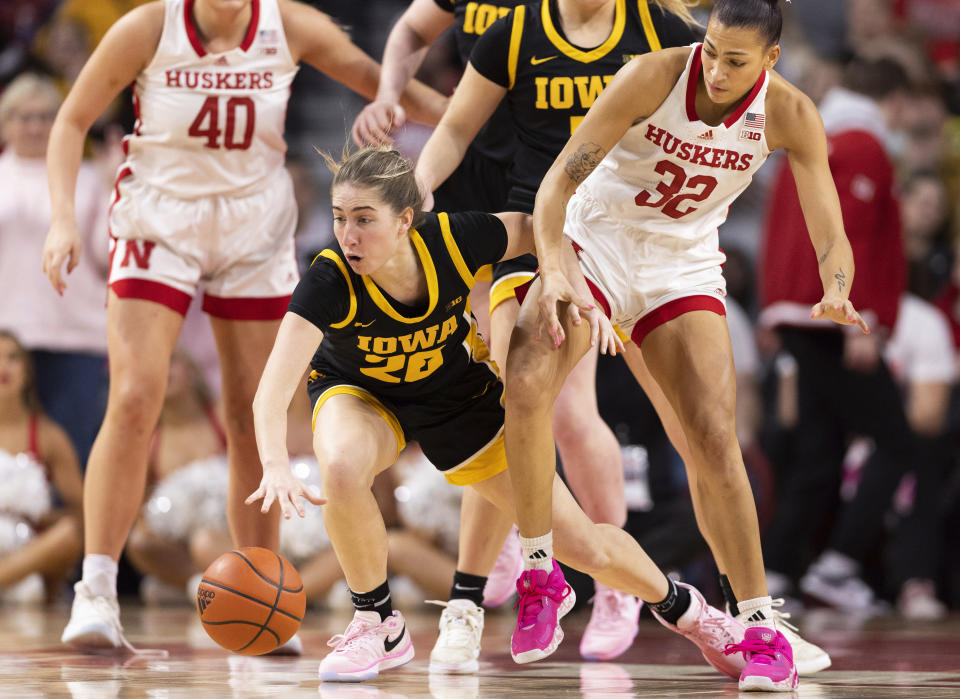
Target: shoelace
(107, 610)
(354, 636)
(781, 617)
(530, 600)
(464, 624)
(716, 626)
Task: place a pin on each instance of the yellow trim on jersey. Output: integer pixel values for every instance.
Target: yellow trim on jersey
(454, 251)
(475, 345)
(504, 288)
(331, 255)
(487, 463)
(432, 287)
(370, 400)
(651, 31)
(516, 32)
(484, 274)
(571, 51)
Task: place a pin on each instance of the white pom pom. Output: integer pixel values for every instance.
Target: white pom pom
(14, 533)
(26, 492)
(428, 503)
(190, 498)
(301, 539)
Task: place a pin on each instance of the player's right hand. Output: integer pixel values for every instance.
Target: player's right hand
(63, 244)
(555, 288)
(280, 485)
(376, 123)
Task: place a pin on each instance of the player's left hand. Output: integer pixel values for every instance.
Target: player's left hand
(280, 485)
(376, 123)
(840, 311)
(602, 332)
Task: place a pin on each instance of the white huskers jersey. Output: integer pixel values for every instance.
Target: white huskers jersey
(212, 124)
(672, 178)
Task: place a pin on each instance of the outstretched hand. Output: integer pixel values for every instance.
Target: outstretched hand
(840, 311)
(555, 289)
(280, 485)
(377, 122)
(603, 333)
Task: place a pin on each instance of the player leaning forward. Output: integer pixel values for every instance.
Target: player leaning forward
(660, 156)
(396, 356)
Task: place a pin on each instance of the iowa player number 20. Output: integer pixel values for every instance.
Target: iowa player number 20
(675, 179)
(207, 123)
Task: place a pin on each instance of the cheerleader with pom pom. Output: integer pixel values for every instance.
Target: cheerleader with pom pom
(40, 502)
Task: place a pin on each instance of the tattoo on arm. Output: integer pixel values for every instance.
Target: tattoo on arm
(841, 279)
(826, 253)
(582, 163)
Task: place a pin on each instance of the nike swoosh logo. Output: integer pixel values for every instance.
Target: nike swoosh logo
(358, 324)
(389, 645)
(458, 586)
(534, 61)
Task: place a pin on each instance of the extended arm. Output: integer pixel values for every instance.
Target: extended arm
(314, 38)
(418, 28)
(805, 141)
(124, 51)
(473, 102)
(297, 340)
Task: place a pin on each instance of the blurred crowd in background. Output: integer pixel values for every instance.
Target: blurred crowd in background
(852, 442)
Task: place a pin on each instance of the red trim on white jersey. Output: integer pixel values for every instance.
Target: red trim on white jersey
(694, 81)
(194, 35)
(674, 309)
(149, 290)
(246, 307)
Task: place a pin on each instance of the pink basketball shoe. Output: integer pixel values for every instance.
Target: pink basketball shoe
(612, 626)
(544, 599)
(711, 631)
(769, 659)
(367, 647)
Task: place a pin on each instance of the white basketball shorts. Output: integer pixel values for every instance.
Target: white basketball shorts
(640, 280)
(240, 248)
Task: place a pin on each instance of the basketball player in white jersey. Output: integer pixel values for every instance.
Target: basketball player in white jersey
(667, 147)
(202, 196)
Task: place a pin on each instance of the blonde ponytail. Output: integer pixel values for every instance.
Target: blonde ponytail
(680, 8)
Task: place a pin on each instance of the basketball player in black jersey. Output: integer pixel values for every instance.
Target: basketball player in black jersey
(478, 184)
(399, 359)
(547, 62)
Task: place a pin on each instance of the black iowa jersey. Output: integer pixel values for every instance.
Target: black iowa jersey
(496, 139)
(397, 352)
(551, 83)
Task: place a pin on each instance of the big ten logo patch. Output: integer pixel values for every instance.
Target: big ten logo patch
(746, 135)
(480, 15)
(406, 358)
(204, 598)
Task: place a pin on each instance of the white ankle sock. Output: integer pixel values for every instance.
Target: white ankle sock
(756, 612)
(538, 552)
(100, 574)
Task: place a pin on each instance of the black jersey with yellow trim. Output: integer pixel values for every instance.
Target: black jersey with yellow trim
(496, 139)
(395, 351)
(551, 83)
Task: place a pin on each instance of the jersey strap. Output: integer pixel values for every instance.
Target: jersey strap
(331, 255)
(454, 251)
(648, 28)
(516, 32)
(571, 51)
(429, 269)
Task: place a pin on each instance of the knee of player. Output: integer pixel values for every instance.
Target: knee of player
(345, 474)
(711, 430)
(136, 398)
(529, 385)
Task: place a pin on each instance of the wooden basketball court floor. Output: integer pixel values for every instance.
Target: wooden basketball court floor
(878, 658)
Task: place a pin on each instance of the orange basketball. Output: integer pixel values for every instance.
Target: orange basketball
(251, 600)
